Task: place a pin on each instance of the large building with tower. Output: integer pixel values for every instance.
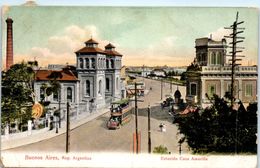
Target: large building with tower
(210, 74)
(91, 85)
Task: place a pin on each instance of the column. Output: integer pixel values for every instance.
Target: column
(7, 131)
(222, 88)
(202, 98)
(29, 131)
(77, 93)
(239, 89)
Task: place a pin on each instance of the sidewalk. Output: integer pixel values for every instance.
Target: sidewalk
(45, 133)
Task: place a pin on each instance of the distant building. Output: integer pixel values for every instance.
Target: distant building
(210, 74)
(158, 72)
(146, 71)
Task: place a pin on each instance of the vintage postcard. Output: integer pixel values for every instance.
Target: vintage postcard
(93, 86)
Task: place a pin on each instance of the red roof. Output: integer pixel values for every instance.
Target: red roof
(110, 46)
(112, 53)
(90, 50)
(43, 75)
(91, 41)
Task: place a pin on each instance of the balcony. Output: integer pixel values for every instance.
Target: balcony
(227, 69)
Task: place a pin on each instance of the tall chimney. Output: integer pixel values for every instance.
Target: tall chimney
(9, 43)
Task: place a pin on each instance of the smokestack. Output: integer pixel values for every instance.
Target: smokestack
(9, 43)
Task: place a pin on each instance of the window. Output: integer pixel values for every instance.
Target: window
(107, 84)
(249, 90)
(69, 94)
(81, 63)
(41, 93)
(56, 96)
(107, 63)
(112, 63)
(193, 89)
(213, 58)
(87, 63)
(87, 87)
(219, 60)
(99, 87)
(211, 90)
(93, 62)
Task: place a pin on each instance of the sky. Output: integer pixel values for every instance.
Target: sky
(143, 35)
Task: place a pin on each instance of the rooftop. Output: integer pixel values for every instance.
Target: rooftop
(63, 75)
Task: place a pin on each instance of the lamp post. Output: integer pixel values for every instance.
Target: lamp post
(149, 129)
(68, 129)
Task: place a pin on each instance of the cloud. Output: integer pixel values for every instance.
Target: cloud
(5, 9)
(219, 33)
(61, 49)
(162, 52)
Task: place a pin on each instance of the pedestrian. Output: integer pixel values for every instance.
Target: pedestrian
(161, 127)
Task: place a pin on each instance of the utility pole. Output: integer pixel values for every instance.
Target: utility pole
(68, 129)
(161, 88)
(179, 148)
(171, 86)
(149, 129)
(136, 120)
(59, 107)
(235, 40)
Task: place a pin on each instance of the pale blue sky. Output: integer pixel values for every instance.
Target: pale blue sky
(158, 35)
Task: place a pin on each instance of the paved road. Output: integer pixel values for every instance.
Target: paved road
(95, 137)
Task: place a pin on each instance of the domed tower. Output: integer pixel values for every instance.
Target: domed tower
(113, 67)
(91, 73)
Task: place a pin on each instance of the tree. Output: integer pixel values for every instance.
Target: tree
(51, 87)
(160, 150)
(17, 92)
(220, 128)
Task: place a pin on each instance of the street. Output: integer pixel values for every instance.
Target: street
(94, 136)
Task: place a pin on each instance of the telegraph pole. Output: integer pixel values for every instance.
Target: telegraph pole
(161, 89)
(235, 40)
(149, 129)
(68, 129)
(171, 86)
(136, 120)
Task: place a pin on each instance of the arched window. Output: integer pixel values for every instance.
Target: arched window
(213, 58)
(193, 89)
(87, 87)
(107, 84)
(69, 94)
(56, 95)
(42, 93)
(219, 60)
(112, 63)
(87, 63)
(81, 63)
(101, 63)
(107, 63)
(93, 62)
(104, 63)
(99, 86)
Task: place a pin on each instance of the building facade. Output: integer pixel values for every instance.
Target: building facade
(91, 85)
(210, 74)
